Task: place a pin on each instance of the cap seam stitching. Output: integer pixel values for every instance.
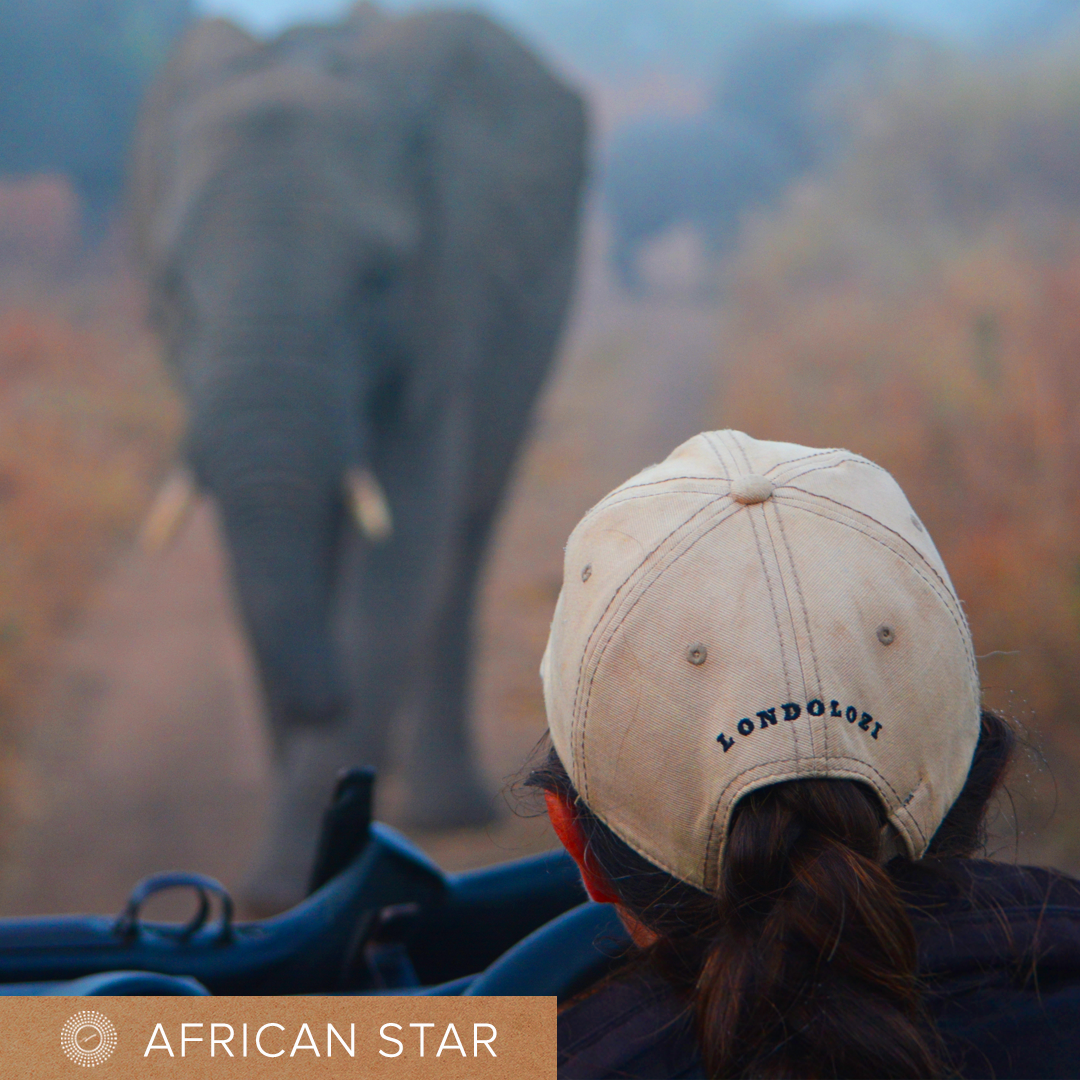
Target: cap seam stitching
(806, 619)
(945, 594)
(718, 451)
(908, 546)
(618, 500)
(867, 517)
(614, 495)
(630, 485)
(610, 628)
(781, 466)
(772, 598)
(848, 457)
(791, 619)
(587, 657)
(806, 615)
(741, 451)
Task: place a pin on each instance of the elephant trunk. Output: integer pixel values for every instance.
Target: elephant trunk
(281, 543)
(274, 446)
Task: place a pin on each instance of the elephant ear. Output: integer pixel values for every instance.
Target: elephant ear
(206, 55)
(503, 144)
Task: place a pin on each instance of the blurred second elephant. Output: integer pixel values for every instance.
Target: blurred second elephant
(790, 100)
(706, 171)
(360, 242)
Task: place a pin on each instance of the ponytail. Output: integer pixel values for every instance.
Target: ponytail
(805, 962)
(811, 966)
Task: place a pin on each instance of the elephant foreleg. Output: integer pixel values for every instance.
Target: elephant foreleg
(446, 786)
(309, 759)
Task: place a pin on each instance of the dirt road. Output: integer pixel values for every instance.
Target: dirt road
(147, 751)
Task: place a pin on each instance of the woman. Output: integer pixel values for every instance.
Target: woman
(769, 754)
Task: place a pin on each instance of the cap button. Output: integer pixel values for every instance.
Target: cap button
(751, 489)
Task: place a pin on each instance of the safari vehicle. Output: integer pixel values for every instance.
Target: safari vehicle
(380, 918)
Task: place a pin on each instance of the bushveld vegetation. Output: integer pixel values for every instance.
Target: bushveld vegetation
(87, 421)
(922, 307)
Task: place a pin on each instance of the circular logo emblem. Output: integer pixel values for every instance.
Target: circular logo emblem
(88, 1038)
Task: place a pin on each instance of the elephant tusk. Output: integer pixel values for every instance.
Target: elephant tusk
(174, 502)
(368, 503)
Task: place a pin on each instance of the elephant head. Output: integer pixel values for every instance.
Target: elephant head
(281, 244)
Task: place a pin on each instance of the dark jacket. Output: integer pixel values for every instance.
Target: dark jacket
(999, 954)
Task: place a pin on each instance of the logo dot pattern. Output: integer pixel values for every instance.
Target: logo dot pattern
(88, 1038)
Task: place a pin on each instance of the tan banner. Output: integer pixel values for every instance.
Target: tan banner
(193, 1038)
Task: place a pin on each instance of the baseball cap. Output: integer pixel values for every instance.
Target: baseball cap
(746, 613)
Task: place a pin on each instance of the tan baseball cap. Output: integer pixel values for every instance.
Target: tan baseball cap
(750, 612)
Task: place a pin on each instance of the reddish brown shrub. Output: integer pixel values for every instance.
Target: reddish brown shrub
(86, 422)
(922, 307)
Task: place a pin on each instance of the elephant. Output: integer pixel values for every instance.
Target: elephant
(360, 243)
(790, 100)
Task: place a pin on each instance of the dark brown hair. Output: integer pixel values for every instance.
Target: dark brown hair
(804, 963)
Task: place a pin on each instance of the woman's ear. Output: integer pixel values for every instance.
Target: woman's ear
(564, 821)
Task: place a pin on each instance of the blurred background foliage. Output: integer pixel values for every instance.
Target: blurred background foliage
(87, 419)
(72, 74)
(86, 423)
(916, 299)
(921, 305)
